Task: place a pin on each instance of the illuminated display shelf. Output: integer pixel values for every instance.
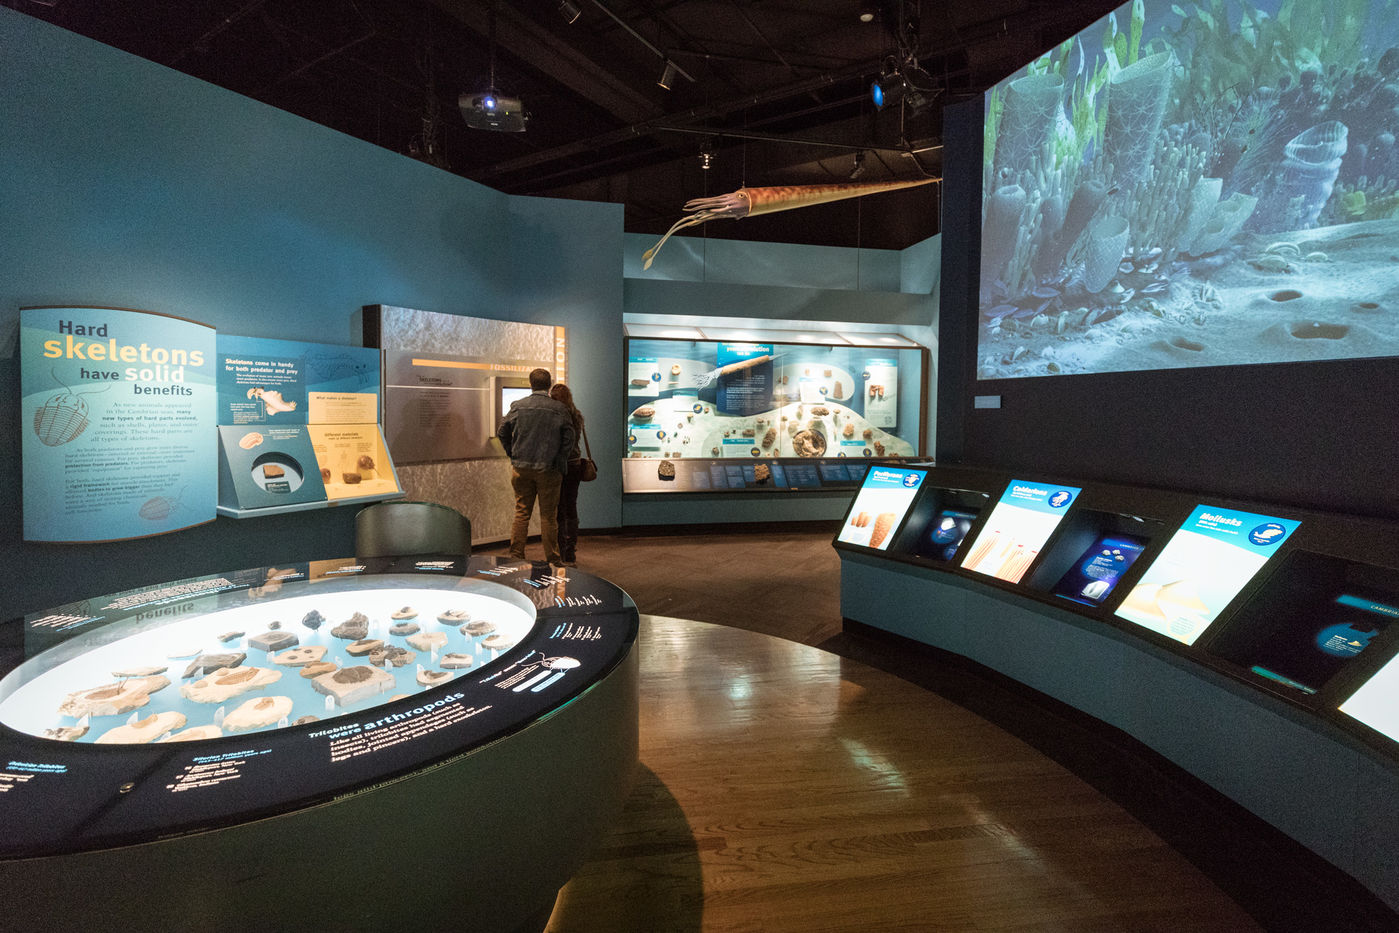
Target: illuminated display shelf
(1285, 690)
(498, 719)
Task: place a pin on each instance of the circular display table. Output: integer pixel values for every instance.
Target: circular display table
(368, 743)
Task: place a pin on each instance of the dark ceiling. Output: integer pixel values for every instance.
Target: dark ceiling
(776, 90)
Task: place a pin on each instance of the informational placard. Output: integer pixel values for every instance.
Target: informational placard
(265, 381)
(1204, 566)
(265, 465)
(353, 460)
(1018, 527)
(881, 378)
(880, 506)
(745, 378)
(118, 412)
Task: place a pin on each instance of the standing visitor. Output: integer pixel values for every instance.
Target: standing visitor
(538, 436)
(572, 478)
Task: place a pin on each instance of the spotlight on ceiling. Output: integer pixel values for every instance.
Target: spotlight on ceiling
(869, 10)
(668, 75)
(569, 11)
(887, 89)
(706, 155)
(491, 110)
(858, 169)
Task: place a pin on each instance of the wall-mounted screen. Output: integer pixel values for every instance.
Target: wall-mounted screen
(1204, 566)
(719, 399)
(1194, 184)
(1018, 527)
(880, 506)
(1097, 571)
(509, 395)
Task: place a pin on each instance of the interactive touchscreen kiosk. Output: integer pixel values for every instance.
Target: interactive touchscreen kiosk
(1204, 566)
(1097, 571)
(946, 531)
(1376, 703)
(880, 506)
(1018, 527)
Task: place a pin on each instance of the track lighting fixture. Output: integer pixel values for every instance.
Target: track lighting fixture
(569, 11)
(668, 75)
(858, 169)
(706, 155)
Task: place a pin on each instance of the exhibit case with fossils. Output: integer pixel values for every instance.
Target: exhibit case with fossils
(769, 404)
(152, 721)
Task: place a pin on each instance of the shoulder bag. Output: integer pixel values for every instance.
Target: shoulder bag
(588, 466)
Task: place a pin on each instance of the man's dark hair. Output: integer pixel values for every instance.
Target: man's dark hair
(540, 379)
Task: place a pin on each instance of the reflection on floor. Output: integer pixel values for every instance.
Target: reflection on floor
(786, 788)
(748, 812)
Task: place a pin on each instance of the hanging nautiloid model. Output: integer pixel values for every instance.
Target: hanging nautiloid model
(750, 202)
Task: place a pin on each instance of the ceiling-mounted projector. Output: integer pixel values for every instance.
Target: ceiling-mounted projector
(489, 110)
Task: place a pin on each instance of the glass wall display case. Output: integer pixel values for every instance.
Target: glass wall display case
(754, 400)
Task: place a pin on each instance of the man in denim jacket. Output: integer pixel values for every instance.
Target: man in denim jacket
(537, 434)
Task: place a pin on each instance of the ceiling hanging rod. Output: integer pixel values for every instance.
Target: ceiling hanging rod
(642, 39)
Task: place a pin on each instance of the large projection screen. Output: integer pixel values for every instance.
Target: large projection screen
(1195, 184)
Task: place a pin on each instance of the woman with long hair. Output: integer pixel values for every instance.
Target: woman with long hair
(568, 494)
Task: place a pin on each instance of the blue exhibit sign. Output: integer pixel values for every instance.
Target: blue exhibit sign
(1020, 524)
(118, 409)
(263, 381)
(880, 506)
(1202, 568)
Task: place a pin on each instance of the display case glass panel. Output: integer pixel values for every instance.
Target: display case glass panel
(1018, 527)
(1202, 568)
(881, 506)
(748, 400)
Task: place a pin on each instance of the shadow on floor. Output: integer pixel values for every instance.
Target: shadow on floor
(646, 877)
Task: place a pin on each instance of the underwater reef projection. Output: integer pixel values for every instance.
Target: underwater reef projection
(1195, 184)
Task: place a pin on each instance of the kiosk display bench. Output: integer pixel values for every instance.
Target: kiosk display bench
(1282, 695)
(362, 744)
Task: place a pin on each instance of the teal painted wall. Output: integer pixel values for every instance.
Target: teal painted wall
(127, 184)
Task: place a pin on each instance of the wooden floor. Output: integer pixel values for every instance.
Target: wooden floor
(784, 788)
(798, 777)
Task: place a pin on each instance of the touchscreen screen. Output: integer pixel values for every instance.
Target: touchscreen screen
(1095, 574)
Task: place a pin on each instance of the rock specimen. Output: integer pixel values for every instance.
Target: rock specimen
(65, 733)
(142, 730)
(193, 734)
(227, 637)
(453, 616)
(478, 627)
(432, 678)
(208, 663)
(428, 641)
(403, 628)
(391, 654)
(499, 642)
(273, 641)
(254, 714)
(299, 656)
(455, 661)
(363, 646)
(228, 682)
(148, 671)
(111, 699)
(313, 620)
(355, 627)
(352, 684)
(407, 612)
(316, 669)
